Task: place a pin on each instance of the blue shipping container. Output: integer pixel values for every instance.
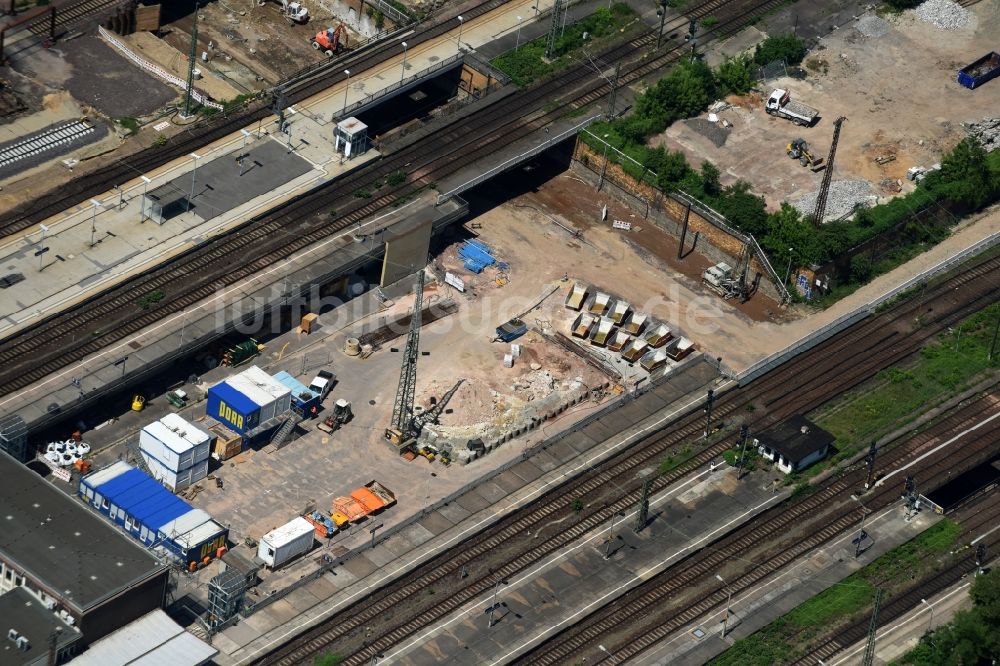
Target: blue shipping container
(985, 69)
(233, 408)
(298, 389)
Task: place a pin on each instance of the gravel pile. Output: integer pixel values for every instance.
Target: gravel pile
(844, 196)
(714, 132)
(944, 14)
(986, 131)
(872, 26)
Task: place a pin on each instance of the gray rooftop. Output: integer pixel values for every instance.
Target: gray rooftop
(796, 437)
(24, 613)
(61, 543)
(152, 640)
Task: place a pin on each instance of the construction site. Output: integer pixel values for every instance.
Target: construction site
(858, 72)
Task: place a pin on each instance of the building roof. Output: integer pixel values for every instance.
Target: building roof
(152, 640)
(167, 194)
(233, 397)
(24, 613)
(295, 386)
(259, 386)
(199, 535)
(288, 532)
(63, 545)
(796, 437)
(179, 437)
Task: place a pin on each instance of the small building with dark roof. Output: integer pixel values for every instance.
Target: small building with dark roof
(30, 633)
(70, 557)
(794, 444)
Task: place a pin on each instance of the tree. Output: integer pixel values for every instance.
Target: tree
(744, 210)
(710, 183)
(789, 48)
(965, 177)
(900, 5)
(736, 75)
(985, 595)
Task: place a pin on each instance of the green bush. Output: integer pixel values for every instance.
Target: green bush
(900, 5)
(736, 75)
(129, 123)
(789, 48)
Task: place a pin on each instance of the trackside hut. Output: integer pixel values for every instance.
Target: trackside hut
(151, 514)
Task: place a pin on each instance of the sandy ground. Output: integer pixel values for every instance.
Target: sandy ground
(898, 92)
(256, 37)
(147, 45)
(530, 233)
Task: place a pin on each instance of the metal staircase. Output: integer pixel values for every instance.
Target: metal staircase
(282, 433)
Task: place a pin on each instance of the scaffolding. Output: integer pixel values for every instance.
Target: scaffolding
(14, 437)
(226, 594)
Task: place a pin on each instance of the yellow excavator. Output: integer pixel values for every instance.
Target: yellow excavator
(799, 150)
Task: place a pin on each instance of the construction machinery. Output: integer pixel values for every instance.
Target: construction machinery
(294, 12)
(400, 430)
(331, 40)
(341, 414)
(799, 150)
(824, 188)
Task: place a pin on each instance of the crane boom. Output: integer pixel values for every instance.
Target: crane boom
(402, 409)
(824, 189)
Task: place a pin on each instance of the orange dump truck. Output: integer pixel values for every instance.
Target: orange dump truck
(363, 502)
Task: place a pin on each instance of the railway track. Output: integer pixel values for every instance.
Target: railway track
(822, 516)
(97, 323)
(43, 142)
(72, 16)
(987, 517)
(501, 550)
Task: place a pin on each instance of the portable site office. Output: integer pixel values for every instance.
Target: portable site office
(151, 514)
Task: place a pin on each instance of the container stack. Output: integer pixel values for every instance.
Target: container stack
(175, 451)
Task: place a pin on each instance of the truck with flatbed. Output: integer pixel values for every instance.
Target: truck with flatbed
(781, 104)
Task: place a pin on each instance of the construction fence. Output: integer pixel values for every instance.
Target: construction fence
(707, 230)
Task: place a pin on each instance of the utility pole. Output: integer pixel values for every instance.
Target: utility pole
(558, 10)
(744, 438)
(861, 529)
(614, 93)
(642, 515)
(708, 412)
(729, 599)
(870, 462)
(493, 606)
(191, 59)
(662, 11)
(872, 627)
(980, 558)
(911, 496)
(611, 536)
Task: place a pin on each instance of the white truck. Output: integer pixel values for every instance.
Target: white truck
(717, 275)
(322, 383)
(781, 104)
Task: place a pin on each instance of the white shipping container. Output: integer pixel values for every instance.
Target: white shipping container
(200, 438)
(262, 389)
(176, 480)
(174, 443)
(282, 544)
